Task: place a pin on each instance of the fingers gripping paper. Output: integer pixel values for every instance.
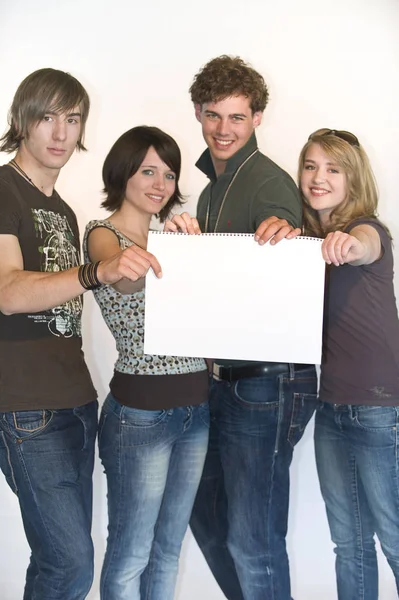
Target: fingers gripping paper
(224, 296)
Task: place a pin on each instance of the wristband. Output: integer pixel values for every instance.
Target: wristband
(87, 275)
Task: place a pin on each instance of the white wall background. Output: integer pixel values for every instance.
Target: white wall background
(328, 64)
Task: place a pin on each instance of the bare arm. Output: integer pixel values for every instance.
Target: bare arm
(102, 244)
(362, 246)
(23, 291)
(31, 291)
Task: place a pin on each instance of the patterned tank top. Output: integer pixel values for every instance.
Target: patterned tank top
(124, 316)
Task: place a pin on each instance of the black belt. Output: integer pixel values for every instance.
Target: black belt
(258, 370)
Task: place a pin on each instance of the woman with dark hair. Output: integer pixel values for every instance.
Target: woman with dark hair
(154, 424)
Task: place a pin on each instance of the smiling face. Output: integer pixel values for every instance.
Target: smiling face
(51, 141)
(152, 186)
(323, 182)
(227, 126)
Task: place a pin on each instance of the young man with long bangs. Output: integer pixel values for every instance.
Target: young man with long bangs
(259, 409)
(48, 406)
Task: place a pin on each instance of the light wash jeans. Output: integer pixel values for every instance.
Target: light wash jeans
(357, 463)
(153, 461)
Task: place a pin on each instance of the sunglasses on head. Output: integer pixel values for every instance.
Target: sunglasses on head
(347, 136)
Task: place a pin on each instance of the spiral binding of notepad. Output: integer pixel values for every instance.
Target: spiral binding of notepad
(220, 234)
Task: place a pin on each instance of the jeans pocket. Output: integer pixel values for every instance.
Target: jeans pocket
(138, 417)
(257, 392)
(143, 427)
(26, 423)
(375, 418)
(304, 405)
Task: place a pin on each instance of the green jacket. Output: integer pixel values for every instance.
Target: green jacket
(261, 190)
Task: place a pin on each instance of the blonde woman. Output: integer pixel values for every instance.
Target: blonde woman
(358, 417)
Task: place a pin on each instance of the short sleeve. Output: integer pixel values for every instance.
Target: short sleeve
(10, 210)
(278, 197)
(377, 225)
(386, 259)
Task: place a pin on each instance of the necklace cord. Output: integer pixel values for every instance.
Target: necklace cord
(208, 210)
(16, 166)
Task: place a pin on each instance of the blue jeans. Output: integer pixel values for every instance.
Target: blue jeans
(357, 462)
(241, 510)
(47, 457)
(153, 461)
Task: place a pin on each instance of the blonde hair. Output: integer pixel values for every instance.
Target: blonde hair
(362, 196)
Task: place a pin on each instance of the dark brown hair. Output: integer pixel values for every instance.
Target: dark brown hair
(126, 156)
(227, 76)
(43, 91)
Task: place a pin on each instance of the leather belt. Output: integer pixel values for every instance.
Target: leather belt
(225, 373)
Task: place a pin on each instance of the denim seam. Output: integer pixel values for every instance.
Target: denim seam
(37, 506)
(104, 585)
(85, 432)
(271, 574)
(358, 521)
(201, 409)
(299, 397)
(295, 398)
(150, 563)
(396, 439)
(281, 406)
(103, 419)
(188, 420)
(216, 497)
(9, 463)
(276, 449)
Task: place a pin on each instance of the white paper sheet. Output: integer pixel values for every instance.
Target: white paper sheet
(224, 296)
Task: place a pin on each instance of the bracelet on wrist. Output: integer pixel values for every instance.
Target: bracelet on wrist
(87, 275)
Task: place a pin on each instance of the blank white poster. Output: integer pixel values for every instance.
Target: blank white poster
(224, 296)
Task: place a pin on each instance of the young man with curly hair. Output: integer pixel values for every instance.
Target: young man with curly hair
(259, 409)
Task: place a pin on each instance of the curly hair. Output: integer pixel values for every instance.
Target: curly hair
(227, 76)
(362, 196)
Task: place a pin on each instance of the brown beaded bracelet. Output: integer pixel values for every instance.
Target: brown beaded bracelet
(87, 275)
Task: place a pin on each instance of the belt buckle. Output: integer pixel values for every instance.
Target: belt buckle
(216, 371)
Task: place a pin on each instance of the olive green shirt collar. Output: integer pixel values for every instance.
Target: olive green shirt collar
(205, 163)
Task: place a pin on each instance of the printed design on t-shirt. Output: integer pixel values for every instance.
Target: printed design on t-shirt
(58, 252)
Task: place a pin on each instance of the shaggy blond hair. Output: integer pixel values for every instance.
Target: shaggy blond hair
(362, 195)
